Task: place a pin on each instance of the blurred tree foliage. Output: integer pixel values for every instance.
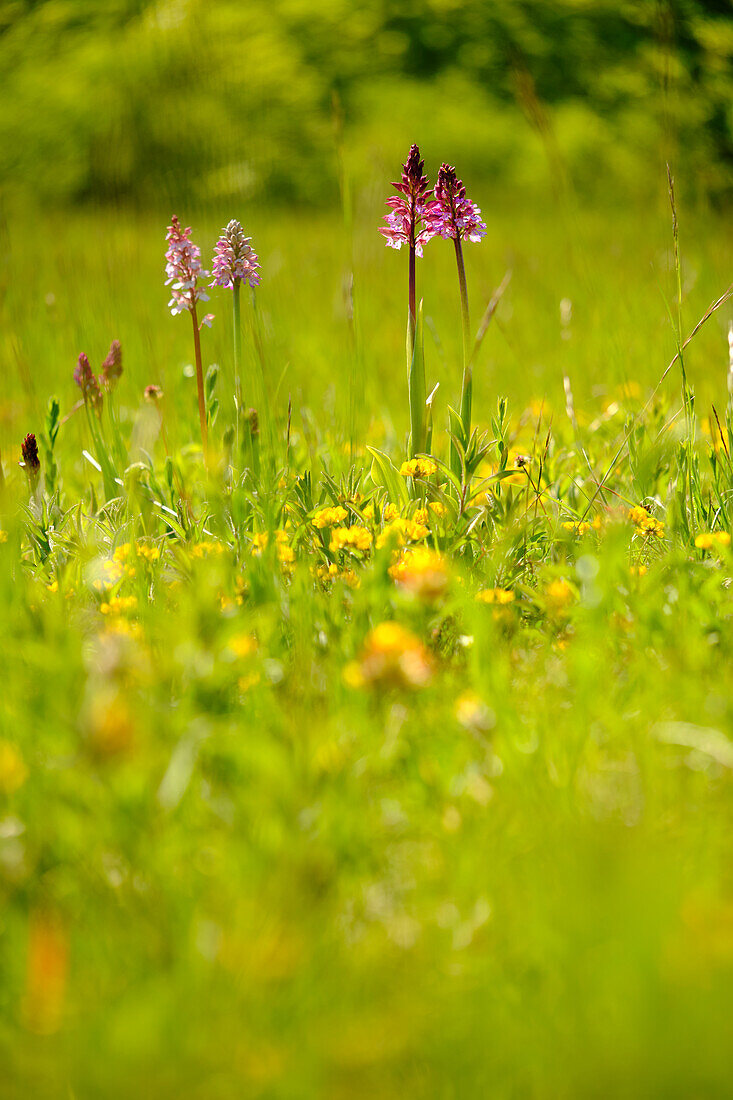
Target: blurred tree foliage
(151, 100)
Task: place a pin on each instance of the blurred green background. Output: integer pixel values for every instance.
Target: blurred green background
(175, 100)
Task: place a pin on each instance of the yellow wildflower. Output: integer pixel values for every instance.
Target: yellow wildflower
(111, 573)
(243, 645)
(206, 548)
(559, 595)
(437, 508)
(146, 551)
(350, 538)
(708, 540)
(419, 467)
(285, 553)
(391, 513)
(577, 528)
(421, 571)
(401, 531)
(329, 517)
(3, 536)
(644, 524)
(472, 713)
(495, 595)
(118, 605)
(259, 543)
(391, 657)
(116, 624)
(13, 772)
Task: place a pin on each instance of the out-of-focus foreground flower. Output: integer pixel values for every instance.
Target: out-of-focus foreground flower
(392, 657)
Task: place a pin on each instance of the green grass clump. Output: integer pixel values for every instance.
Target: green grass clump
(351, 777)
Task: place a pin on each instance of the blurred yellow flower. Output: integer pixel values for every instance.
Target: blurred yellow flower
(110, 573)
(421, 571)
(243, 645)
(207, 547)
(709, 540)
(559, 595)
(13, 772)
(472, 713)
(401, 531)
(392, 657)
(118, 605)
(495, 595)
(350, 538)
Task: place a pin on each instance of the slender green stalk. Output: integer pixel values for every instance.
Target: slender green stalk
(416, 383)
(467, 379)
(415, 365)
(200, 381)
(237, 347)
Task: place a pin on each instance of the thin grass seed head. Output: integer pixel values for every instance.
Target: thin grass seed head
(451, 215)
(406, 221)
(234, 258)
(183, 269)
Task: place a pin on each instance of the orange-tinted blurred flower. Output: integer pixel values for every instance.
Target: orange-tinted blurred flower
(392, 657)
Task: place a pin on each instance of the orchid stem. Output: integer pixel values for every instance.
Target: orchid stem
(467, 385)
(200, 382)
(237, 346)
(467, 381)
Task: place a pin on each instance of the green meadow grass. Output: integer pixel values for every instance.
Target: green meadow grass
(248, 850)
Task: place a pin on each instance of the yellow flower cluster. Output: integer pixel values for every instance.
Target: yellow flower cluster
(285, 553)
(142, 550)
(419, 467)
(325, 572)
(350, 538)
(329, 517)
(207, 547)
(644, 524)
(243, 645)
(111, 572)
(401, 531)
(119, 605)
(711, 540)
(559, 595)
(118, 624)
(392, 657)
(13, 772)
(495, 595)
(421, 571)
(579, 527)
(420, 515)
